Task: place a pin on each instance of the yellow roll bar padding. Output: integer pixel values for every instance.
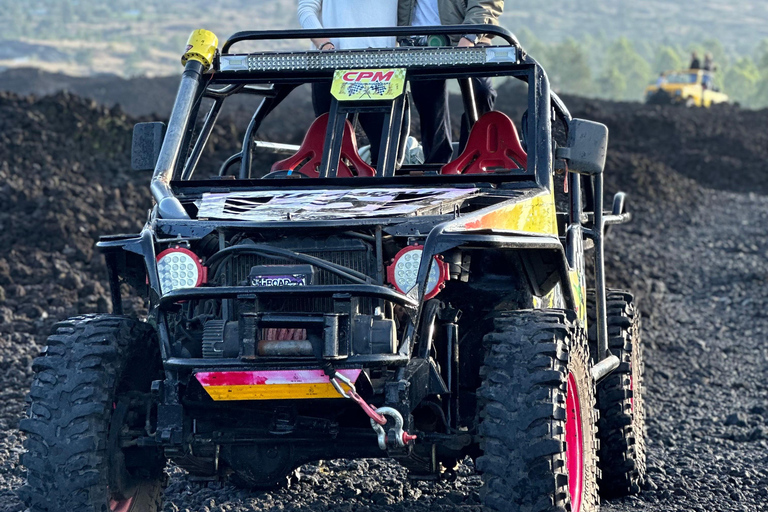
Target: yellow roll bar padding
(201, 46)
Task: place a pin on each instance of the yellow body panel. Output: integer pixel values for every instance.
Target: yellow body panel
(534, 215)
(577, 288)
(201, 46)
(273, 392)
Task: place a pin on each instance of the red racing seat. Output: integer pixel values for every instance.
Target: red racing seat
(309, 156)
(493, 145)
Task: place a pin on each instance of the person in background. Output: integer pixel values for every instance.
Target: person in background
(709, 62)
(709, 67)
(695, 62)
(661, 80)
(431, 97)
(349, 14)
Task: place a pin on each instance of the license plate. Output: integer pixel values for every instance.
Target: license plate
(265, 276)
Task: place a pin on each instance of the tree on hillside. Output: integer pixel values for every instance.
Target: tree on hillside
(622, 59)
(760, 99)
(612, 84)
(569, 70)
(762, 56)
(667, 59)
(532, 45)
(742, 81)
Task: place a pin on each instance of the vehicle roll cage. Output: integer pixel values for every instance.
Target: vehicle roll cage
(447, 30)
(178, 162)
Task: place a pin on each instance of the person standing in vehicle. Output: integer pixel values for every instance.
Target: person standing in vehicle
(431, 97)
(709, 62)
(315, 14)
(709, 67)
(695, 62)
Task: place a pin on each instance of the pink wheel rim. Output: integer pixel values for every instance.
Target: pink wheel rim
(121, 505)
(574, 447)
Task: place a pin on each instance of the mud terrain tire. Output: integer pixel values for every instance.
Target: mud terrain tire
(524, 404)
(89, 367)
(621, 428)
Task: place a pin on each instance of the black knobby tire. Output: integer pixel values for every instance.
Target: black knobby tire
(530, 357)
(89, 365)
(621, 428)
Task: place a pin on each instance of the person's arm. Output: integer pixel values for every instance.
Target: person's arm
(481, 12)
(309, 18)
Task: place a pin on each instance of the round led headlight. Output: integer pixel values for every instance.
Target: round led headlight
(404, 271)
(179, 268)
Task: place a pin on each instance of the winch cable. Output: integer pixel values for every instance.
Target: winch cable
(339, 270)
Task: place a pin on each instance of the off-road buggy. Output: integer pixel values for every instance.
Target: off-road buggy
(327, 308)
(692, 88)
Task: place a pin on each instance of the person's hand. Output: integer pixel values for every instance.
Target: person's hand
(323, 44)
(465, 43)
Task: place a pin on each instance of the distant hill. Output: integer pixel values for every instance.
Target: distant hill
(738, 24)
(598, 48)
(128, 37)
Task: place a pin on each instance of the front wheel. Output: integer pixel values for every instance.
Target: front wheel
(621, 427)
(86, 395)
(537, 415)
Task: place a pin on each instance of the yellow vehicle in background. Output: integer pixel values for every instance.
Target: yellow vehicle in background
(692, 88)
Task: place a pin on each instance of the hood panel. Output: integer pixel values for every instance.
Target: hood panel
(261, 206)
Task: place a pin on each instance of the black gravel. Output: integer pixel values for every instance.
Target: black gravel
(695, 256)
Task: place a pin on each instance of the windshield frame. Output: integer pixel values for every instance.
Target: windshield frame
(275, 92)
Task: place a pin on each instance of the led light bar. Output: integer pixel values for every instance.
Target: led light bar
(370, 58)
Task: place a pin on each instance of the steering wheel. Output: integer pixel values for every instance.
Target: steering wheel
(284, 175)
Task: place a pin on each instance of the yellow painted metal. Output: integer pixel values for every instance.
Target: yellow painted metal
(577, 288)
(534, 214)
(368, 84)
(273, 392)
(201, 46)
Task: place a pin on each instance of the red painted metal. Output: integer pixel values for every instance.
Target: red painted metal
(309, 156)
(121, 505)
(493, 144)
(574, 447)
(266, 377)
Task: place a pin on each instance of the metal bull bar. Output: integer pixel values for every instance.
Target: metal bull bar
(199, 58)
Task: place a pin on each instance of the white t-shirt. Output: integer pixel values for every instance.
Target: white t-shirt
(426, 13)
(350, 14)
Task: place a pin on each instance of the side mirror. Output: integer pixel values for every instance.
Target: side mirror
(587, 147)
(145, 149)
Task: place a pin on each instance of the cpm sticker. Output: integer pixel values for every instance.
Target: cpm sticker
(368, 84)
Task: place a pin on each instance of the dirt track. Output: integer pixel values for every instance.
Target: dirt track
(695, 255)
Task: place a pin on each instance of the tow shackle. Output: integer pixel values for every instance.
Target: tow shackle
(401, 437)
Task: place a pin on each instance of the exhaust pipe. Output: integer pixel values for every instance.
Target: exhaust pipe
(201, 50)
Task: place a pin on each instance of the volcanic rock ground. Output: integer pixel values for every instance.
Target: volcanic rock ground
(695, 254)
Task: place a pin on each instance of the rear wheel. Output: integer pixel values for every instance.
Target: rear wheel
(621, 428)
(537, 415)
(86, 395)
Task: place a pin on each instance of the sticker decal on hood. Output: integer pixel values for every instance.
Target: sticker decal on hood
(261, 206)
